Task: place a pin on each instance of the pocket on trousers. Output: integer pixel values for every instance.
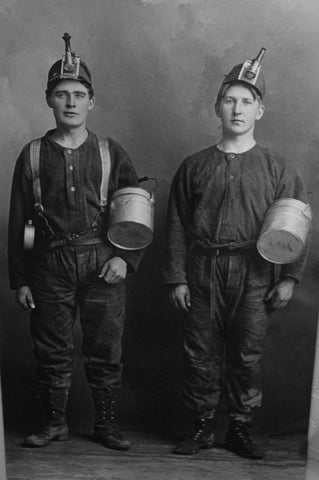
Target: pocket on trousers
(198, 269)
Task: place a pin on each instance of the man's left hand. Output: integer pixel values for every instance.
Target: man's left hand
(114, 270)
(280, 294)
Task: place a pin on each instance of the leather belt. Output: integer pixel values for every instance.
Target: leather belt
(232, 248)
(76, 241)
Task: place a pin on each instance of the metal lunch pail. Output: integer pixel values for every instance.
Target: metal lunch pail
(131, 218)
(285, 230)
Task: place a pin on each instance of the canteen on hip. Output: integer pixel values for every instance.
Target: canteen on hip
(285, 230)
(131, 221)
(28, 235)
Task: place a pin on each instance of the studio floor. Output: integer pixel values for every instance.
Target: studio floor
(150, 458)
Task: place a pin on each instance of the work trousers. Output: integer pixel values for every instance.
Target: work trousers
(224, 333)
(64, 280)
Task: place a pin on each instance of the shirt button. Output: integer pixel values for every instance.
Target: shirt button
(71, 167)
(69, 151)
(72, 189)
(231, 177)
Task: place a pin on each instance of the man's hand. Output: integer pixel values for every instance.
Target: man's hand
(180, 297)
(280, 293)
(114, 270)
(24, 298)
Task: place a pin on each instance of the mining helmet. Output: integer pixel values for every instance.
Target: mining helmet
(71, 67)
(249, 73)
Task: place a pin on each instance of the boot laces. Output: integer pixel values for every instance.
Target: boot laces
(198, 434)
(243, 434)
(108, 412)
(200, 431)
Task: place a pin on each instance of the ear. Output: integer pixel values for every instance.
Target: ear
(92, 103)
(260, 111)
(48, 99)
(217, 110)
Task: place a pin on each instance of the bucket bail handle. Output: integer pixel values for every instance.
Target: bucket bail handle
(151, 179)
(307, 211)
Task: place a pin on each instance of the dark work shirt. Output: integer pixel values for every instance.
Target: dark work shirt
(70, 185)
(219, 197)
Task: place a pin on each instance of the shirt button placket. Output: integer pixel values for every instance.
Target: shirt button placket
(70, 168)
(232, 156)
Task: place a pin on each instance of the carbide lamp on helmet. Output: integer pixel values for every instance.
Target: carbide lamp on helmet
(249, 73)
(71, 67)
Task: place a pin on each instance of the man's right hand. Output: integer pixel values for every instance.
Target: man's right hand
(179, 295)
(24, 298)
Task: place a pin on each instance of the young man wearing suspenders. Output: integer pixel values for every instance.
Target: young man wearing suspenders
(59, 256)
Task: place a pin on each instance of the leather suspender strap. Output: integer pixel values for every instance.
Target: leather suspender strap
(106, 169)
(35, 146)
(104, 150)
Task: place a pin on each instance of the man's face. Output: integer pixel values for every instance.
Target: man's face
(71, 103)
(239, 110)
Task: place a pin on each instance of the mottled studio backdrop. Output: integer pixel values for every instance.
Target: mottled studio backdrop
(156, 67)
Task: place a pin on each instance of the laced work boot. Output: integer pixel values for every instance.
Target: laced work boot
(239, 441)
(106, 430)
(55, 427)
(202, 437)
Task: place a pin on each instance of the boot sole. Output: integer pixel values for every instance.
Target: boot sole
(245, 455)
(203, 446)
(126, 445)
(112, 446)
(58, 438)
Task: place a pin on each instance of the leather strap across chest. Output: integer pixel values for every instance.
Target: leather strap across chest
(104, 150)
